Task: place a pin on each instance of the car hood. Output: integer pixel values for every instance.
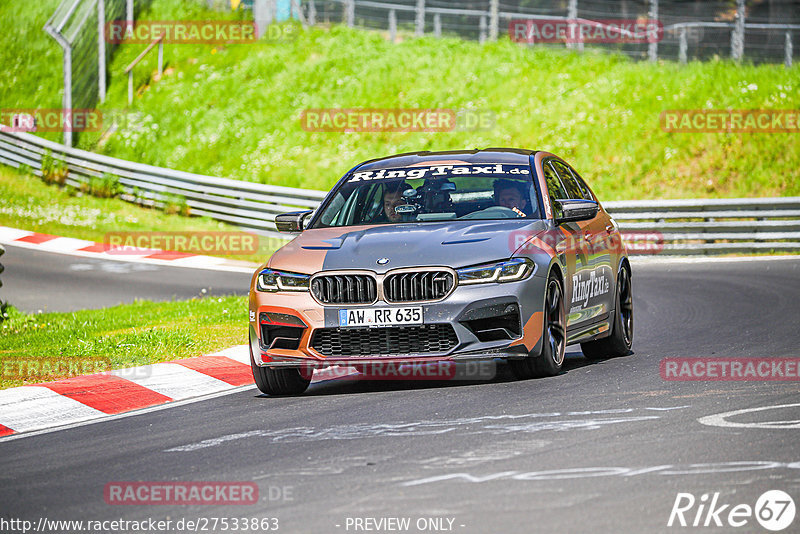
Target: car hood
(452, 243)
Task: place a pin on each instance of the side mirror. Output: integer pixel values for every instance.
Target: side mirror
(292, 221)
(575, 210)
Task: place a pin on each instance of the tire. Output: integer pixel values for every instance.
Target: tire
(278, 381)
(554, 339)
(621, 339)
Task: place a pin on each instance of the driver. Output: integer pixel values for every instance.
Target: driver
(393, 197)
(509, 194)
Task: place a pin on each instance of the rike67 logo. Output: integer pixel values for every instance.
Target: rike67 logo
(774, 510)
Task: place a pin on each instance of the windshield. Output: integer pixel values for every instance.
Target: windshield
(432, 193)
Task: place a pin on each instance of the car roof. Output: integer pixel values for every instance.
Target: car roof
(486, 155)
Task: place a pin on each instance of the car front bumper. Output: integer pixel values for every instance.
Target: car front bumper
(475, 322)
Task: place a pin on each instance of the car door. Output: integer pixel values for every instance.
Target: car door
(566, 239)
(594, 283)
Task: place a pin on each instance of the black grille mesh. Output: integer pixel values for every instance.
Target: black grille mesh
(417, 286)
(389, 341)
(345, 289)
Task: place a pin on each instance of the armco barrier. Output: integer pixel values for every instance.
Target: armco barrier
(704, 226)
(246, 204)
(714, 226)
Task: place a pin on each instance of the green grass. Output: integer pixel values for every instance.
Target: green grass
(31, 59)
(122, 336)
(29, 204)
(235, 111)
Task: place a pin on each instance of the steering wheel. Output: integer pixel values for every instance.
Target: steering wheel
(492, 212)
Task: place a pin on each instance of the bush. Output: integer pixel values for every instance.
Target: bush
(105, 186)
(54, 172)
(175, 204)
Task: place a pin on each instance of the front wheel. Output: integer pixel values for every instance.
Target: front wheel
(278, 381)
(554, 337)
(621, 339)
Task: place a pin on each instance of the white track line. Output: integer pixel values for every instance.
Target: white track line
(8, 235)
(130, 258)
(239, 353)
(173, 380)
(105, 417)
(34, 407)
(64, 244)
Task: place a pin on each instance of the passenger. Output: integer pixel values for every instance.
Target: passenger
(393, 197)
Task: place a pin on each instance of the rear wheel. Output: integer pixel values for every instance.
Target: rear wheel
(554, 338)
(278, 381)
(621, 338)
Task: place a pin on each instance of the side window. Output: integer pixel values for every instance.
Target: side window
(554, 187)
(587, 194)
(569, 181)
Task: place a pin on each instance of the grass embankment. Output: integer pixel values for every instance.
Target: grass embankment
(31, 59)
(235, 110)
(29, 204)
(44, 347)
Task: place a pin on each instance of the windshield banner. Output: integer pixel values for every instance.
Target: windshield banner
(441, 171)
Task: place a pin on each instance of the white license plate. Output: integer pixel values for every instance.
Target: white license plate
(380, 316)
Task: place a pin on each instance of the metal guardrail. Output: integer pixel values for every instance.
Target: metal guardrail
(712, 226)
(686, 226)
(246, 204)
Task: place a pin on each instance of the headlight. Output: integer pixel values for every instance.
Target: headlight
(270, 280)
(505, 271)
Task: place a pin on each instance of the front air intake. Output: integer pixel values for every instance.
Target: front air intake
(345, 289)
(418, 286)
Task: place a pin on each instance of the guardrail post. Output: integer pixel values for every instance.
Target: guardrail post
(494, 20)
(737, 35)
(129, 11)
(263, 13)
(2, 250)
(130, 87)
(350, 12)
(437, 25)
(161, 57)
(482, 30)
(392, 25)
(652, 47)
(572, 14)
(101, 50)
(682, 45)
(787, 50)
(67, 93)
(420, 18)
(312, 13)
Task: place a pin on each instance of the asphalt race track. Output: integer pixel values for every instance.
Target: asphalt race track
(35, 280)
(603, 447)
